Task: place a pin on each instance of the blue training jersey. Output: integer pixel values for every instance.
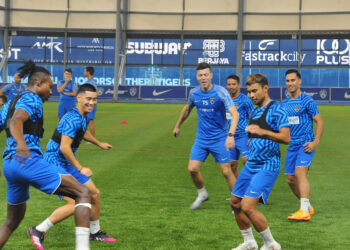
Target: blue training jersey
(211, 106)
(244, 107)
(69, 125)
(300, 112)
(33, 105)
(70, 87)
(92, 82)
(12, 90)
(264, 153)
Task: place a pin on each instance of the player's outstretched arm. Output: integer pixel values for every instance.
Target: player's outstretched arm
(16, 128)
(311, 146)
(90, 138)
(67, 152)
(282, 136)
(185, 112)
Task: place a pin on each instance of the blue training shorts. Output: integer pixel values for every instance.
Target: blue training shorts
(241, 147)
(56, 159)
(296, 157)
(200, 151)
(91, 115)
(64, 107)
(255, 184)
(36, 172)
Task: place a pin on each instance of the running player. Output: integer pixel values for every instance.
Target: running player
(212, 133)
(61, 152)
(244, 106)
(268, 126)
(22, 118)
(68, 90)
(302, 112)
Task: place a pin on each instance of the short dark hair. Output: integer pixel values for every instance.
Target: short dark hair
(291, 71)
(203, 65)
(86, 87)
(257, 78)
(4, 98)
(234, 77)
(34, 72)
(68, 70)
(90, 69)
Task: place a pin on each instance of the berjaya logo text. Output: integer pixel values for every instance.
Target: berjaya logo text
(211, 52)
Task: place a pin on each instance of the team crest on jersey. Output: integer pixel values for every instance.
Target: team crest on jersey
(297, 108)
(212, 100)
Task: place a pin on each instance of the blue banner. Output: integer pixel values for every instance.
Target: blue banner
(129, 92)
(163, 92)
(318, 94)
(340, 94)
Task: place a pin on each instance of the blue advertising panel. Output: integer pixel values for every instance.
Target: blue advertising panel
(129, 92)
(162, 92)
(318, 94)
(26, 53)
(80, 55)
(148, 51)
(340, 94)
(28, 41)
(154, 76)
(212, 51)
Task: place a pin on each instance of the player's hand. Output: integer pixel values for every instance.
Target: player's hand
(105, 146)
(230, 143)
(86, 171)
(309, 147)
(176, 132)
(22, 153)
(254, 129)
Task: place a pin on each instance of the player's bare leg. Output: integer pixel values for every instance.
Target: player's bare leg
(234, 166)
(247, 212)
(72, 188)
(303, 187)
(292, 182)
(198, 181)
(243, 223)
(228, 174)
(15, 214)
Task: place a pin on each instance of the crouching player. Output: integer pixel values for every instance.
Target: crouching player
(61, 151)
(268, 126)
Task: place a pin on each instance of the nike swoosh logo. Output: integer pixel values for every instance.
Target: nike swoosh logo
(155, 93)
